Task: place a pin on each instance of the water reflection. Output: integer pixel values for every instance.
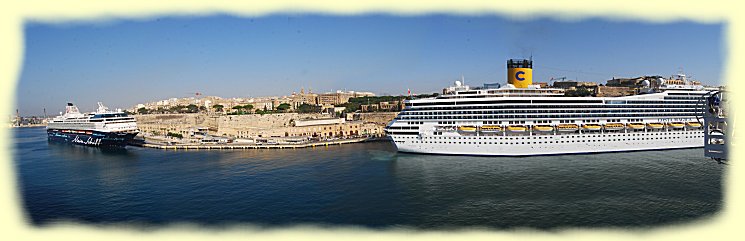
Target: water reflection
(614, 189)
(112, 167)
(89, 152)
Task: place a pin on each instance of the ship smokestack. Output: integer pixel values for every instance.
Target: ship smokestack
(520, 72)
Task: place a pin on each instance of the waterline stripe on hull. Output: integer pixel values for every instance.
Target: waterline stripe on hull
(549, 154)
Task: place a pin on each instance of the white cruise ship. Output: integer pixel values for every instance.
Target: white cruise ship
(521, 119)
(101, 128)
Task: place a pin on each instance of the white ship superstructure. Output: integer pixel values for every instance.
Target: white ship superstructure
(529, 120)
(100, 128)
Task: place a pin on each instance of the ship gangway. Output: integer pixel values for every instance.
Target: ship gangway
(717, 130)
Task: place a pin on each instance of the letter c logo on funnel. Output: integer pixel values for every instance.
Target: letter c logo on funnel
(517, 75)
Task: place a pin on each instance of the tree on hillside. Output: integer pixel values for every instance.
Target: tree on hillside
(142, 110)
(377, 99)
(177, 109)
(218, 108)
(192, 108)
(283, 107)
(307, 108)
(238, 109)
(248, 107)
(351, 106)
(420, 96)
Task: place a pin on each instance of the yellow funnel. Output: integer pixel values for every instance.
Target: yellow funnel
(520, 72)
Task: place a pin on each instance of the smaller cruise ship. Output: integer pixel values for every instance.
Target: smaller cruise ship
(102, 128)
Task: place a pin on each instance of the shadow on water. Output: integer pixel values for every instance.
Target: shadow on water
(78, 151)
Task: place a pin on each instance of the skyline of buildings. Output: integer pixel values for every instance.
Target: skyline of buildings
(265, 102)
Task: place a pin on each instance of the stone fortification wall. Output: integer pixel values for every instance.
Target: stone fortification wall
(186, 119)
(251, 125)
(264, 121)
(160, 124)
(380, 118)
(610, 91)
(255, 126)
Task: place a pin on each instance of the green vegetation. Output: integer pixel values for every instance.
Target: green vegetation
(242, 109)
(307, 108)
(239, 109)
(375, 99)
(175, 135)
(355, 104)
(143, 111)
(179, 109)
(283, 107)
(248, 107)
(423, 96)
(192, 108)
(351, 106)
(262, 112)
(218, 108)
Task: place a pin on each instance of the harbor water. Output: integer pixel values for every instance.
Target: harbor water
(364, 185)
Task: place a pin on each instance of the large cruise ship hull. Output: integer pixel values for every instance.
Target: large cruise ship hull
(522, 119)
(549, 144)
(90, 138)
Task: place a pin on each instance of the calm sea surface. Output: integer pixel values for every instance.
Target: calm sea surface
(368, 185)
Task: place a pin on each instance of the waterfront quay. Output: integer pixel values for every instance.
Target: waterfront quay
(254, 131)
(231, 146)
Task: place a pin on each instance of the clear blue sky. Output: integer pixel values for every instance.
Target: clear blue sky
(125, 62)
